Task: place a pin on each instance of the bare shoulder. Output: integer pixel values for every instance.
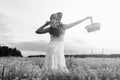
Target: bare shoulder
(65, 26)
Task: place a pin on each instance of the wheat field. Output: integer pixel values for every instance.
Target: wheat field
(16, 68)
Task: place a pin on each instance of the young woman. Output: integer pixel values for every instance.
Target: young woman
(55, 59)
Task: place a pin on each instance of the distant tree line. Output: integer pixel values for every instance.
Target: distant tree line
(85, 56)
(6, 52)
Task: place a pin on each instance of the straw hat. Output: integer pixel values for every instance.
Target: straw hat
(57, 16)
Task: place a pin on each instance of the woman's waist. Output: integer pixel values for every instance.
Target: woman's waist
(56, 43)
(57, 40)
(61, 38)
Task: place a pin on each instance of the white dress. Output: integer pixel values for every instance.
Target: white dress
(55, 59)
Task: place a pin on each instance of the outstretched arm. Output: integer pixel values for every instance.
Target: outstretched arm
(66, 26)
(41, 30)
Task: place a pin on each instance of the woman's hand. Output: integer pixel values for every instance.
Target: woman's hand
(47, 22)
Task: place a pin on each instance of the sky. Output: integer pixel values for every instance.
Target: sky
(20, 18)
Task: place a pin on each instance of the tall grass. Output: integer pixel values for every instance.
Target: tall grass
(79, 69)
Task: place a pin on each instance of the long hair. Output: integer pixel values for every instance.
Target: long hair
(56, 32)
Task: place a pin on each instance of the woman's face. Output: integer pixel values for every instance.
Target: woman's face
(54, 23)
(55, 19)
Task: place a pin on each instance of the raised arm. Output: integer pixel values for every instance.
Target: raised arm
(42, 29)
(67, 26)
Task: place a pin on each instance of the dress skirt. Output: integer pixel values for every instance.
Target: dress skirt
(55, 59)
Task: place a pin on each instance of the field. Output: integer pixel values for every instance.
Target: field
(12, 68)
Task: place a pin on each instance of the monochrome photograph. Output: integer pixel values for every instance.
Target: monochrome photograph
(59, 40)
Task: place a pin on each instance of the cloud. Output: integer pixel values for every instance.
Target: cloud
(14, 29)
(78, 41)
(41, 46)
(31, 46)
(5, 29)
